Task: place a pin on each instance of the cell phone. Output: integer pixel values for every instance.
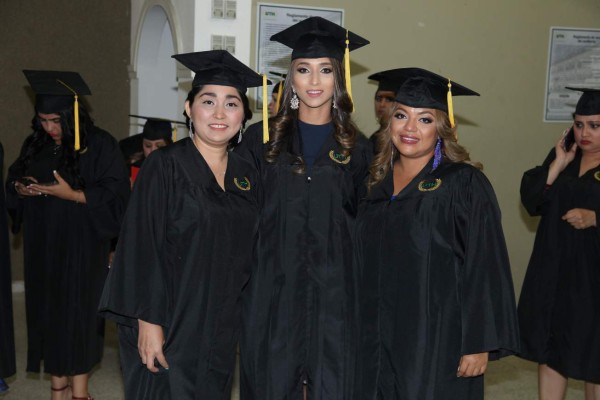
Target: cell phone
(569, 140)
(25, 181)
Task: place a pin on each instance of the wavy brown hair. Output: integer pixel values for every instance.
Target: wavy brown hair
(284, 126)
(452, 151)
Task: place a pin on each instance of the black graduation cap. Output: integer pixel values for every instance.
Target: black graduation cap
(219, 67)
(159, 128)
(57, 91)
(589, 102)
(389, 80)
(424, 89)
(316, 37)
(131, 145)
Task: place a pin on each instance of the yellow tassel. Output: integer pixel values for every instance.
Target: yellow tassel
(450, 106)
(279, 94)
(76, 106)
(76, 114)
(265, 110)
(174, 134)
(347, 70)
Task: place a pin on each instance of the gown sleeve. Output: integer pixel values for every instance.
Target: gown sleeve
(488, 310)
(533, 186)
(136, 287)
(14, 204)
(108, 190)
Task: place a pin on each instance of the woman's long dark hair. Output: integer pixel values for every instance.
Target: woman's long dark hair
(283, 127)
(69, 158)
(247, 112)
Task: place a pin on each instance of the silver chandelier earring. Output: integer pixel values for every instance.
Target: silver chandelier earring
(294, 102)
(240, 135)
(190, 129)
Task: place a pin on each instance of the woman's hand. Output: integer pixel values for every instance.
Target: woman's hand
(150, 343)
(580, 218)
(23, 190)
(563, 158)
(61, 189)
(471, 365)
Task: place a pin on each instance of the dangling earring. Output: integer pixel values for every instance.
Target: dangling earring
(392, 157)
(240, 134)
(190, 129)
(437, 155)
(333, 104)
(294, 102)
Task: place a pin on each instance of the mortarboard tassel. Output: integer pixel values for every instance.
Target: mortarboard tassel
(450, 106)
(279, 93)
(76, 115)
(265, 110)
(347, 70)
(174, 133)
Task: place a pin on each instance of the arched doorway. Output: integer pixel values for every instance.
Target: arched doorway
(156, 86)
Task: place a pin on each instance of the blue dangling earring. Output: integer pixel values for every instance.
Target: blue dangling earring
(437, 155)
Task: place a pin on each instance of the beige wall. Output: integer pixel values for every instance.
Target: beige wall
(498, 48)
(91, 37)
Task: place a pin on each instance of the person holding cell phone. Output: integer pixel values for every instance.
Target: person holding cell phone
(68, 188)
(560, 302)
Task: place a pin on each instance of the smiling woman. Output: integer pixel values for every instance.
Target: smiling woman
(195, 206)
(300, 314)
(436, 292)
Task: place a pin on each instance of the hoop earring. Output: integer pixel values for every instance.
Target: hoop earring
(437, 155)
(294, 102)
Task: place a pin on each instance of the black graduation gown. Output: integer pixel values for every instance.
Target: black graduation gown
(66, 248)
(559, 306)
(7, 333)
(182, 260)
(435, 284)
(300, 311)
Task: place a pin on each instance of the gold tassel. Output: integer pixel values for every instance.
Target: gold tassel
(174, 133)
(279, 93)
(76, 106)
(265, 110)
(76, 114)
(450, 106)
(347, 70)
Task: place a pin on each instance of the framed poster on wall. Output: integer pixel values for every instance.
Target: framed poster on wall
(573, 60)
(274, 56)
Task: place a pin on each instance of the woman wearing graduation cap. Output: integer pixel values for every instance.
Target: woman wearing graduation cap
(383, 101)
(560, 302)
(185, 248)
(69, 189)
(436, 292)
(300, 308)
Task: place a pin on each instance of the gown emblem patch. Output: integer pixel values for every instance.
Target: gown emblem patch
(428, 186)
(339, 158)
(597, 175)
(242, 184)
